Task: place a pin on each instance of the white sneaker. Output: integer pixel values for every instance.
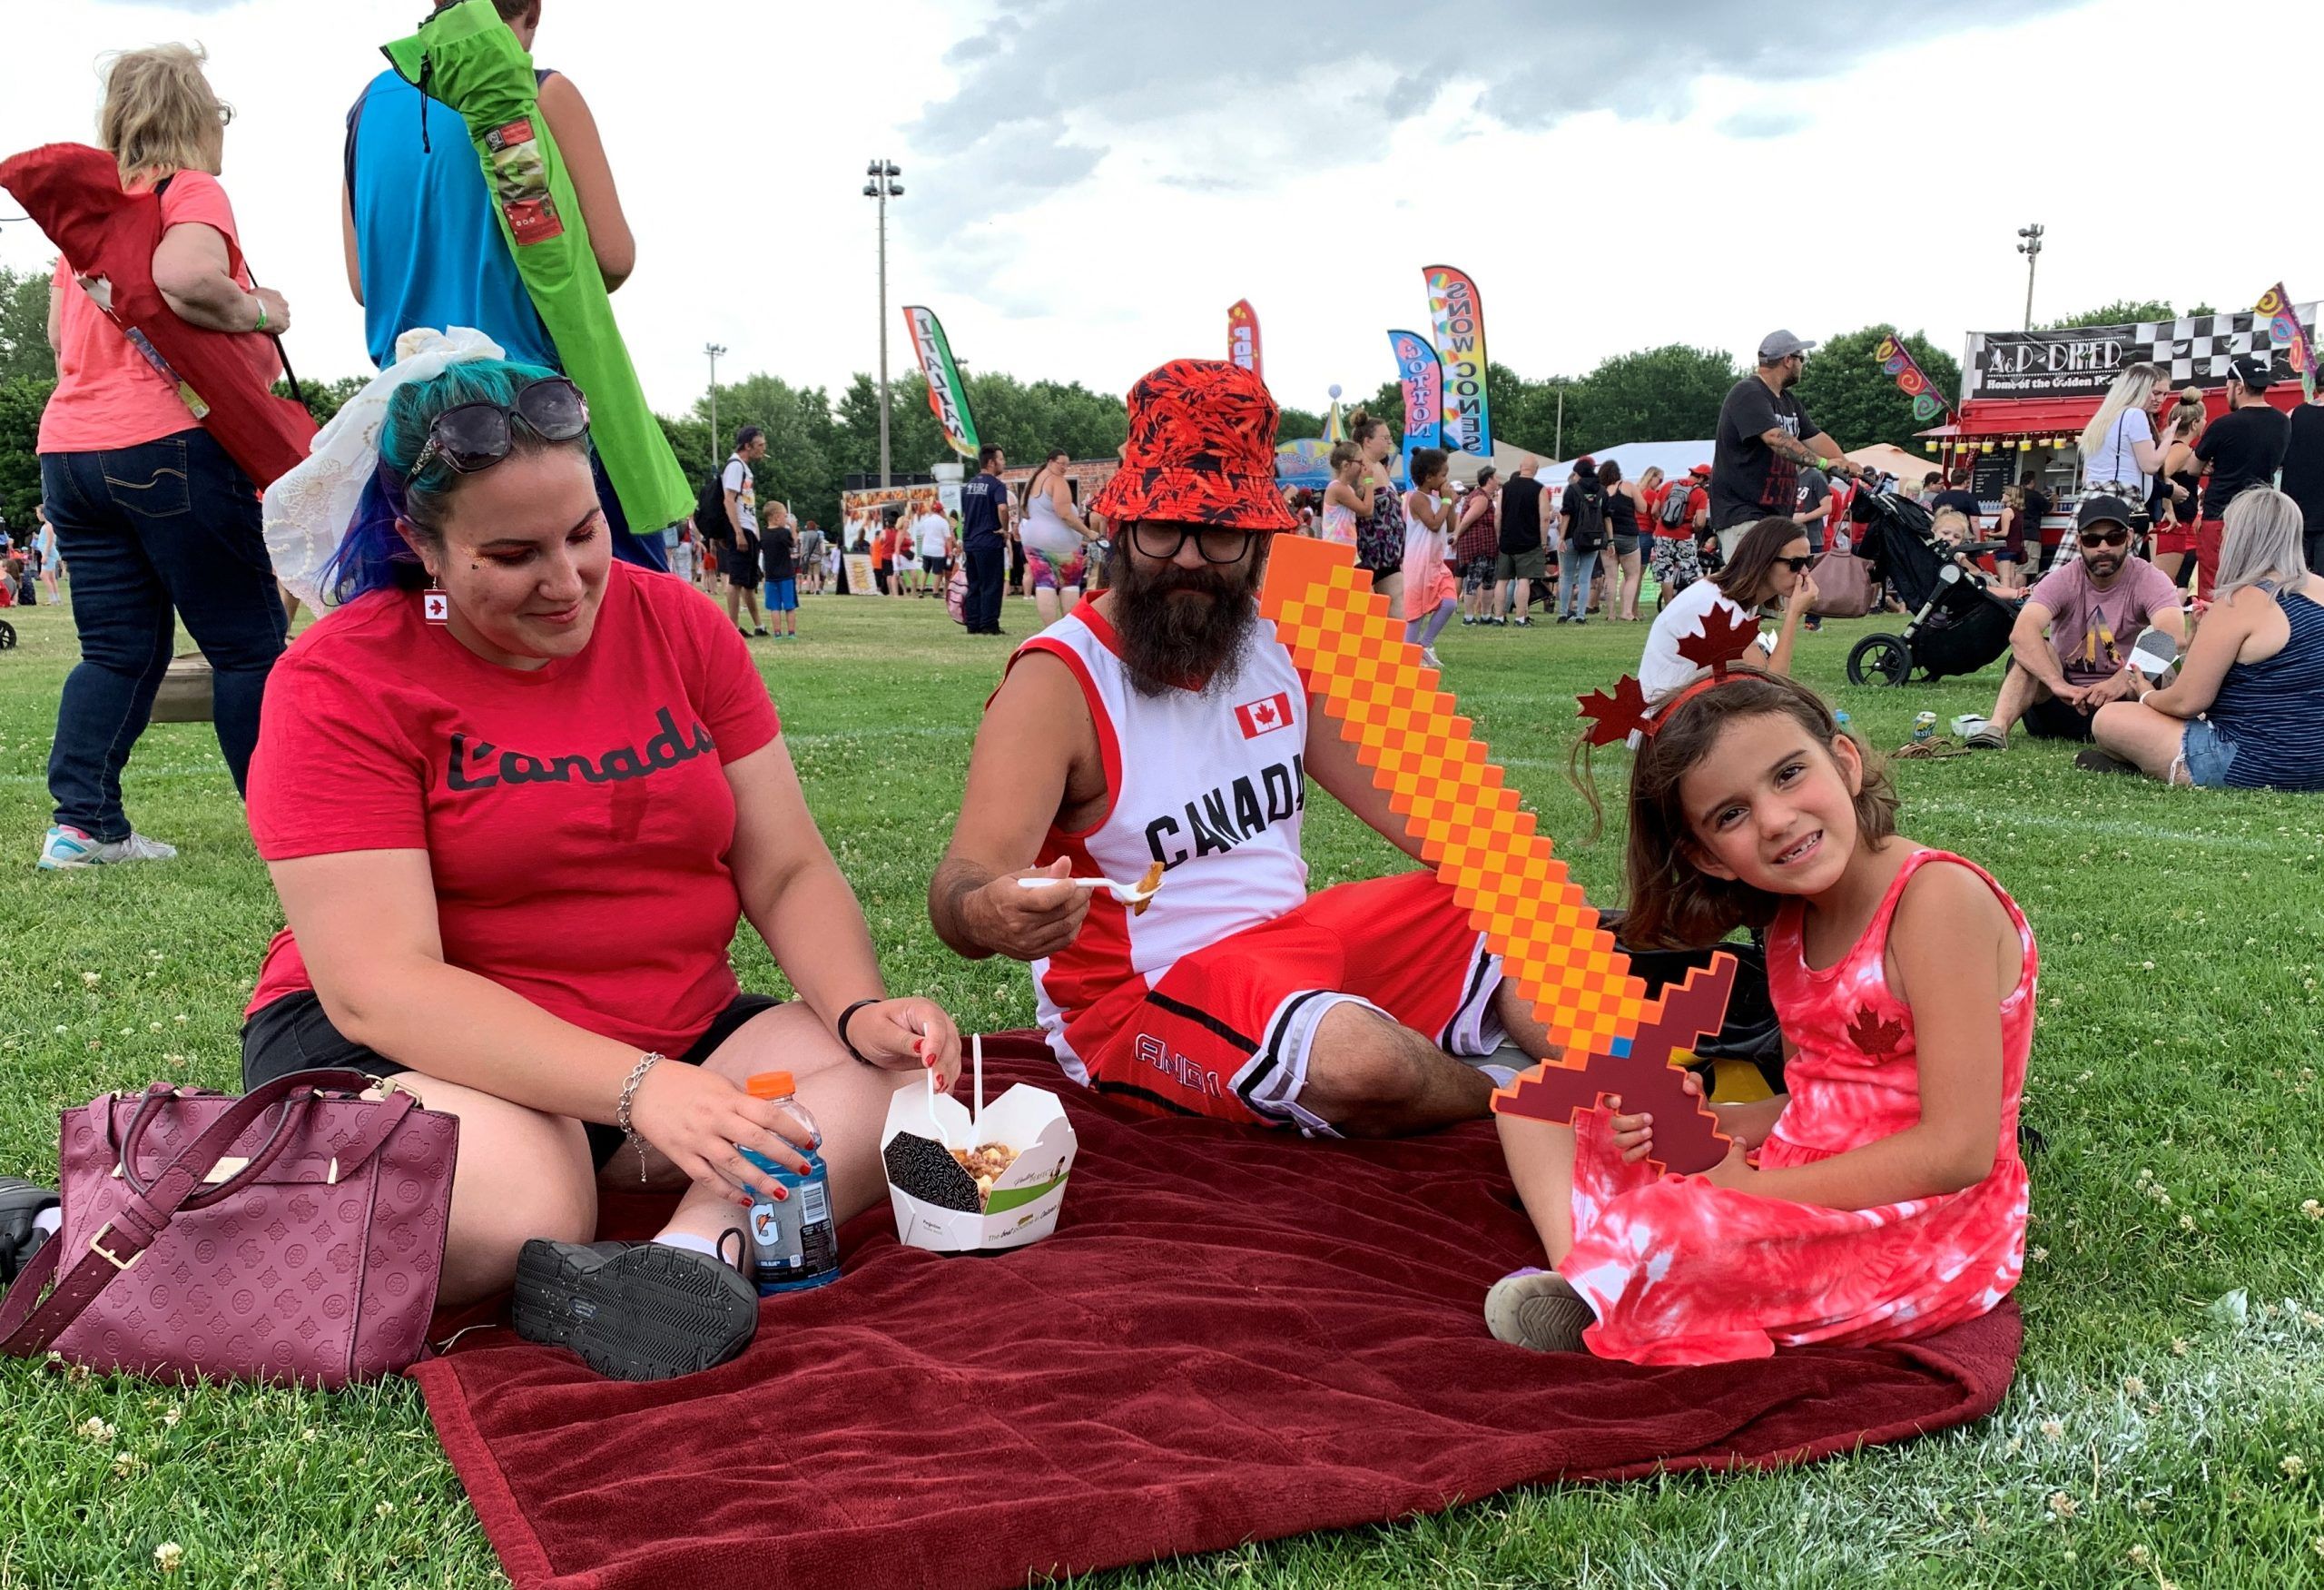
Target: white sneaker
(66, 848)
(1428, 655)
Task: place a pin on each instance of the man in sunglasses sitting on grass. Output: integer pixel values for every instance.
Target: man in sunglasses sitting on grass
(1162, 725)
(2073, 635)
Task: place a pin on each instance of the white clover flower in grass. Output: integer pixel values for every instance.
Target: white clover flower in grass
(2293, 1465)
(2310, 1207)
(168, 1556)
(383, 1509)
(2133, 1386)
(2063, 1506)
(2140, 1557)
(91, 979)
(2052, 1430)
(95, 1429)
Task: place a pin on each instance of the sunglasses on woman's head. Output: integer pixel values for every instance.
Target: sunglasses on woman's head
(477, 436)
(2106, 537)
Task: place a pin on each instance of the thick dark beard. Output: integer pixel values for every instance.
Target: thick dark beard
(1173, 643)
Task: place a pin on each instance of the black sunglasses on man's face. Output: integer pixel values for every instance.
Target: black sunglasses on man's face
(2106, 537)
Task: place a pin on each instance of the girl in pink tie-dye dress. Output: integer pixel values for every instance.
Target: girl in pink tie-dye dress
(1883, 1196)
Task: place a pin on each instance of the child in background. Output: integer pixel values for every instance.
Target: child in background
(1343, 501)
(1431, 593)
(1883, 1196)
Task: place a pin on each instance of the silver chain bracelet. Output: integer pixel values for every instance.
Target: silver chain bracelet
(628, 1099)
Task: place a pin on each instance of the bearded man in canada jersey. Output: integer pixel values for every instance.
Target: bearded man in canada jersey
(1164, 723)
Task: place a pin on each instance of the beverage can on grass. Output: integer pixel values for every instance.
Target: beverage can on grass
(1923, 725)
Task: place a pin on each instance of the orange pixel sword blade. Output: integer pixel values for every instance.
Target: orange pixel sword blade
(1354, 657)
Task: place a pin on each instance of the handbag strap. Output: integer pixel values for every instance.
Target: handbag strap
(27, 1332)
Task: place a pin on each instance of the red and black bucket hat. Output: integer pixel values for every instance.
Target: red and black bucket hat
(1201, 451)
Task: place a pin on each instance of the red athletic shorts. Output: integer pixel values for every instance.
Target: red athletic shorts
(1227, 1029)
(2179, 538)
(2211, 535)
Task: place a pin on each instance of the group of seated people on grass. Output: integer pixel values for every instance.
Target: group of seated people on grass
(512, 847)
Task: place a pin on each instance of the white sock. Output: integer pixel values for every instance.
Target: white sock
(50, 1220)
(691, 1243)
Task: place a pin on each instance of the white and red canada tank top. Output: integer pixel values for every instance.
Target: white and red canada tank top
(1211, 785)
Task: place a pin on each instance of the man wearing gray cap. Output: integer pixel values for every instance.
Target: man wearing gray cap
(1764, 439)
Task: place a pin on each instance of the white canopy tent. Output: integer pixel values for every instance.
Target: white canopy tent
(1672, 458)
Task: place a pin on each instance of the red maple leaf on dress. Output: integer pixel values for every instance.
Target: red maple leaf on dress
(1726, 635)
(1869, 1034)
(1614, 718)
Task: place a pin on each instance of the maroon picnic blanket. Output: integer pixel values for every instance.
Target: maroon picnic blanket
(1232, 1336)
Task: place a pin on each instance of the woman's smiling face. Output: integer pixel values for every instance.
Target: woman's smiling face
(524, 557)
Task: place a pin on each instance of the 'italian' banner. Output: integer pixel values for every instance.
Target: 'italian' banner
(1459, 317)
(948, 399)
(1897, 362)
(1422, 379)
(2285, 331)
(1243, 339)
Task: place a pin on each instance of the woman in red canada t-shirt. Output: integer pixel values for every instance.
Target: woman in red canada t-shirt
(514, 818)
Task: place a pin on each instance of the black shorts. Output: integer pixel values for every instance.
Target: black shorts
(741, 567)
(2052, 719)
(293, 1035)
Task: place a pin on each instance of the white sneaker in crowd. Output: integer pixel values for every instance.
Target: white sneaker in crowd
(1428, 655)
(66, 848)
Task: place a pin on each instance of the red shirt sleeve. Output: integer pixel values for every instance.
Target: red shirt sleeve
(332, 771)
(727, 689)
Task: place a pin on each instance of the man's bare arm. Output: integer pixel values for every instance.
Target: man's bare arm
(1017, 785)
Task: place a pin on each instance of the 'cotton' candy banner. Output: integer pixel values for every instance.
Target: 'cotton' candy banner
(1243, 339)
(1459, 319)
(1422, 376)
(948, 399)
(2285, 331)
(1897, 362)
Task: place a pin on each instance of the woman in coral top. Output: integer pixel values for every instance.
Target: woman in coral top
(155, 520)
(516, 796)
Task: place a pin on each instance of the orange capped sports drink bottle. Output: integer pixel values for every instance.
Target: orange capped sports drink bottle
(794, 1241)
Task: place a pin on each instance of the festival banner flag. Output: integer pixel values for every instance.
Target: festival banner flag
(1897, 362)
(2285, 331)
(948, 397)
(1459, 319)
(1422, 379)
(1242, 338)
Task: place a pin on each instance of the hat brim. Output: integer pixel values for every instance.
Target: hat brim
(1194, 497)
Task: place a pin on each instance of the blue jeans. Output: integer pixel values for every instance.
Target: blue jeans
(153, 532)
(1574, 569)
(2207, 753)
(988, 564)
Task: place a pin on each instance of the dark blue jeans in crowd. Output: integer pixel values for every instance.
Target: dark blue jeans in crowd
(151, 532)
(988, 564)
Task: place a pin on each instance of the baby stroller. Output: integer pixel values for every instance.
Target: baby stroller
(1956, 625)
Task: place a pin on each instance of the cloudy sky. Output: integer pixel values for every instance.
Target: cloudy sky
(1091, 182)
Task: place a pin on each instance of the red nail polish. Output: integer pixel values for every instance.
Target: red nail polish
(782, 1194)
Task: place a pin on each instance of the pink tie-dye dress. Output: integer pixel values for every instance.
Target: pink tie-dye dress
(1680, 1271)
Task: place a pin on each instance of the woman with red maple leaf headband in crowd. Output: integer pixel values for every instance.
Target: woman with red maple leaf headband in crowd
(1770, 566)
(1882, 1197)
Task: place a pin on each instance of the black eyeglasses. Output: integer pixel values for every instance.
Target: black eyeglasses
(477, 436)
(2106, 537)
(1797, 565)
(1161, 541)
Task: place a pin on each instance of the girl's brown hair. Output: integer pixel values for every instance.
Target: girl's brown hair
(1360, 425)
(1344, 453)
(1673, 903)
(160, 116)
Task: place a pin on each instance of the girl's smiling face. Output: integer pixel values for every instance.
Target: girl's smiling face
(1772, 807)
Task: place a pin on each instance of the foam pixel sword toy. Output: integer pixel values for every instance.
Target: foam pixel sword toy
(1354, 660)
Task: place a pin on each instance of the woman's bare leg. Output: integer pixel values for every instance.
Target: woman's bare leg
(2138, 734)
(1540, 1161)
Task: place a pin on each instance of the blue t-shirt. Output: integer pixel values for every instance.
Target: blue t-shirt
(426, 237)
(981, 500)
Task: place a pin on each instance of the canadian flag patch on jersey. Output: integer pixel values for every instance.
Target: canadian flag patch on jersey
(1265, 717)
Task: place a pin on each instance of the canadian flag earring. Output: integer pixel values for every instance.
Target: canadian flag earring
(435, 603)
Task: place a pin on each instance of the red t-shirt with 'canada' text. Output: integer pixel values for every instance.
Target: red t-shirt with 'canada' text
(576, 817)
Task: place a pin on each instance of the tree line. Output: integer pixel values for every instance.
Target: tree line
(817, 442)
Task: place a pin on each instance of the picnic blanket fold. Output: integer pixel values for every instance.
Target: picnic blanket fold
(1232, 1336)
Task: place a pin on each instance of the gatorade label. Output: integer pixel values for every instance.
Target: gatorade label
(521, 182)
(794, 1241)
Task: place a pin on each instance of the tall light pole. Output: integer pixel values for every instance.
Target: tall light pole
(884, 186)
(2032, 249)
(714, 350)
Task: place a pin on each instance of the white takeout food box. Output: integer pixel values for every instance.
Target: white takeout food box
(1024, 1202)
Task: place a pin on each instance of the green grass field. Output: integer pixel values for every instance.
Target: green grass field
(2168, 1422)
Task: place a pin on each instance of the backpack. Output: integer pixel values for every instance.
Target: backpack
(1674, 506)
(1587, 531)
(710, 509)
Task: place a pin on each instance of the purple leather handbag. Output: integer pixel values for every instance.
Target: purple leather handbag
(293, 1234)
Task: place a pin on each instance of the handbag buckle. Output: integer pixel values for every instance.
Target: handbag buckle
(96, 1246)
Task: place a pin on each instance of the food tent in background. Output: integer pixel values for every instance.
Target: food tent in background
(2026, 395)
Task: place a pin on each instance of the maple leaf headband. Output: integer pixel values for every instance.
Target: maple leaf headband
(1727, 634)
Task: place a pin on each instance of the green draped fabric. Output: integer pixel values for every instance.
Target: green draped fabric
(466, 58)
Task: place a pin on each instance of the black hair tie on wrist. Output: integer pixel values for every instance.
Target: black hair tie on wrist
(839, 1027)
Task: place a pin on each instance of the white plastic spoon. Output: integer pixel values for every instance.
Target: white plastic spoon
(1127, 893)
